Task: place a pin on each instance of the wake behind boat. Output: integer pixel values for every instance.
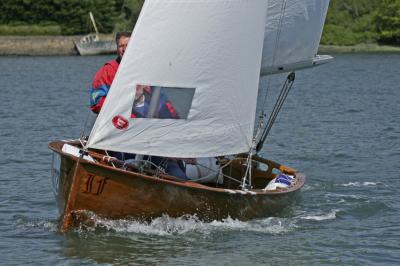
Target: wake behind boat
(204, 60)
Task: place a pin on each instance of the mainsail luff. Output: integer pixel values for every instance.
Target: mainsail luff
(206, 45)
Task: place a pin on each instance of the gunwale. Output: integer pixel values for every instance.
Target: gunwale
(301, 178)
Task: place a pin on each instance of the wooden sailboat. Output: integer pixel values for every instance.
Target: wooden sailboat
(121, 192)
(203, 59)
(92, 44)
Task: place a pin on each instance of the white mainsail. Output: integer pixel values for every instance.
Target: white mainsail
(292, 35)
(213, 47)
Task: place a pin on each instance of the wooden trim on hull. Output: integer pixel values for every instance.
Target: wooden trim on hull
(116, 193)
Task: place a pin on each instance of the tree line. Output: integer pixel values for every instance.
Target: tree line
(352, 22)
(348, 22)
(67, 17)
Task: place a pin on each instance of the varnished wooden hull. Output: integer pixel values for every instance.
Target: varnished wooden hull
(114, 193)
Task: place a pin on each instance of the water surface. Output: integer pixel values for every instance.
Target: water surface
(340, 126)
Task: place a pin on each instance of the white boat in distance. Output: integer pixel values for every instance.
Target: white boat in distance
(92, 44)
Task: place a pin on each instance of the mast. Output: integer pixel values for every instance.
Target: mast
(94, 23)
(153, 106)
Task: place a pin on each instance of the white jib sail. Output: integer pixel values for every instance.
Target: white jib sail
(292, 35)
(208, 50)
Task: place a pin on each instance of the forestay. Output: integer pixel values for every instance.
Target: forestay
(292, 35)
(207, 53)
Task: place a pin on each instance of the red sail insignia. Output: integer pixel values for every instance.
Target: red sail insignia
(120, 122)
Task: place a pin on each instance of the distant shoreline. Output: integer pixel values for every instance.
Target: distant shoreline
(64, 45)
(40, 45)
(359, 48)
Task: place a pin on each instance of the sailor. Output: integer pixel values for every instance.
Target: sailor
(105, 75)
(164, 110)
(102, 83)
(142, 100)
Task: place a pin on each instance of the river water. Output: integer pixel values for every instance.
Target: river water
(340, 126)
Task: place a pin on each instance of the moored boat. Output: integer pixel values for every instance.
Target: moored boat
(90, 45)
(93, 44)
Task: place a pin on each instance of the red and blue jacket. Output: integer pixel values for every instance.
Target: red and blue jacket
(165, 107)
(101, 84)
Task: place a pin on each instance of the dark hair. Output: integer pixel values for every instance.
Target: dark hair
(122, 34)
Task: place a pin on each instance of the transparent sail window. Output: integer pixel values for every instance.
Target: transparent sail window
(162, 102)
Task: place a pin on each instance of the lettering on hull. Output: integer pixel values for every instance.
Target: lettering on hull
(95, 184)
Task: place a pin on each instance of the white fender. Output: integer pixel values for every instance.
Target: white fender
(206, 169)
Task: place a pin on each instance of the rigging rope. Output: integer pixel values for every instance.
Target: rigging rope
(85, 125)
(287, 86)
(278, 106)
(246, 181)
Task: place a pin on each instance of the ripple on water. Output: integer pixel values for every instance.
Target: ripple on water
(320, 216)
(359, 184)
(25, 222)
(367, 209)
